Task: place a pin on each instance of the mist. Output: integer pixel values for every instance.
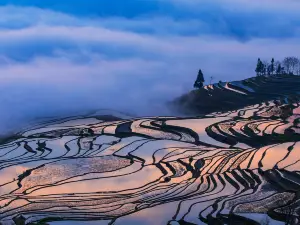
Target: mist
(59, 64)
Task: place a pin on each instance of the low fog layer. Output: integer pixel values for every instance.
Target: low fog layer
(56, 63)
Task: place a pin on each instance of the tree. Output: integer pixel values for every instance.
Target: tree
(270, 70)
(279, 69)
(264, 68)
(276, 65)
(198, 85)
(283, 71)
(294, 63)
(290, 64)
(199, 81)
(258, 67)
(200, 76)
(287, 64)
(298, 68)
(272, 66)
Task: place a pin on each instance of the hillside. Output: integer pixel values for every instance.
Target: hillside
(226, 96)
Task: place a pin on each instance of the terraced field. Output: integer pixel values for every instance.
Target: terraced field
(237, 167)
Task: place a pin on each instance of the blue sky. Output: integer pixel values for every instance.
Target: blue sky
(65, 56)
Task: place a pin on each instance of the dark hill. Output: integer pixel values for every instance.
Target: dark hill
(227, 96)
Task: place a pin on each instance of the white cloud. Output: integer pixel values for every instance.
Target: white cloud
(280, 5)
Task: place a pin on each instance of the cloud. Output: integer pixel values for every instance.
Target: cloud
(240, 19)
(53, 63)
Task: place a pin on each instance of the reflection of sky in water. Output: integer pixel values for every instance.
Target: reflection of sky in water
(140, 179)
(159, 215)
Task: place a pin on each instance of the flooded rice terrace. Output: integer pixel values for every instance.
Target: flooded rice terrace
(240, 167)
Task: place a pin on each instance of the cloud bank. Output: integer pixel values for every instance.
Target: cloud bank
(61, 59)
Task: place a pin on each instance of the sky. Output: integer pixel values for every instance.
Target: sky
(64, 57)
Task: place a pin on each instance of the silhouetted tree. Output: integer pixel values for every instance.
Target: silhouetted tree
(283, 70)
(199, 81)
(287, 64)
(279, 69)
(272, 66)
(290, 64)
(276, 64)
(264, 68)
(294, 64)
(259, 68)
(269, 70)
(298, 68)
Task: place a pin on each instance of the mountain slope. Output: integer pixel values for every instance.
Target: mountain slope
(237, 94)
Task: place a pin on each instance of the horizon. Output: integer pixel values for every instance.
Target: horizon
(60, 58)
